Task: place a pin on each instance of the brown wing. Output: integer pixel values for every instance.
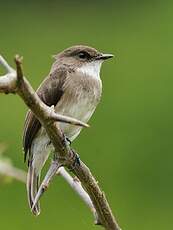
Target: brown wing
(50, 92)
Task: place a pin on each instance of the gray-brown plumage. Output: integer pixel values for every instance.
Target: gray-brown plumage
(74, 87)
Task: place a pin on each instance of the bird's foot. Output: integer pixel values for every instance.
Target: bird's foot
(76, 161)
(67, 141)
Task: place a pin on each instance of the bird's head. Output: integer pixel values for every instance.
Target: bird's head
(83, 58)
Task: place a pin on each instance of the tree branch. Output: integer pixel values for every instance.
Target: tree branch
(8, 170)
(65, 156)
(10, 83)
(77, 187)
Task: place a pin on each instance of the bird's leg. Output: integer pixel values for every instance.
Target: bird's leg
(76, 158)
(46, 181)
(68, 140)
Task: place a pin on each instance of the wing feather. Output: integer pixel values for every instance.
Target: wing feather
(50, 92)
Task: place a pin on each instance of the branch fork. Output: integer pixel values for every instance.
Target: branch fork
(83, 183)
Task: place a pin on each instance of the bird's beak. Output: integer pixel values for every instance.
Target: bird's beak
(104, 56)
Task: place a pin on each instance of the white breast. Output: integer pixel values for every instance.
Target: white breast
(84, 96)
(81, 110)
(91, 69)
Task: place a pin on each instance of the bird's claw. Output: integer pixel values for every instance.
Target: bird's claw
(76, 161)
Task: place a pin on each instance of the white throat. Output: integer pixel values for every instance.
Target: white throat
(92, 69)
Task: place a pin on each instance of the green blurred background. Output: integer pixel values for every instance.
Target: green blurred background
(130, 143)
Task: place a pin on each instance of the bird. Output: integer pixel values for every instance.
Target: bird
(74, 88)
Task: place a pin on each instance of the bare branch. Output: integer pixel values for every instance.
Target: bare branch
(77, 187)
(64, 154)
(10, 83)
(8, 170)
(55, 168)
(44, 185)
(61, 118)
(8, 68)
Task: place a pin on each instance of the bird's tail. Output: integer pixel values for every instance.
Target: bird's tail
(33, 178)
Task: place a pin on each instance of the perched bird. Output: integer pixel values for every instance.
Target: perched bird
(74, 88)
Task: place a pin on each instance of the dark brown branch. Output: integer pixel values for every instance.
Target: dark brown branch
(64, 154)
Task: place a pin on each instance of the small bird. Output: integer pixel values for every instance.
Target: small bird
(74, 88)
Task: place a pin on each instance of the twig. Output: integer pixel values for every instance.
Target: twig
(77, 187)
(4, 63)
(61, 118)
(8, 170)
(65, 155)
(45, 183)
(55, 168)
(10, 83)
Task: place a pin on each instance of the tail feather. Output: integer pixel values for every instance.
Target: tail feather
(39, 153)
(32, 187)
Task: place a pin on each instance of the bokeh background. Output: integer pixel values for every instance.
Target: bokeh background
(130, 143)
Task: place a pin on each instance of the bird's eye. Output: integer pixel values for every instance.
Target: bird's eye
(83, 55)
